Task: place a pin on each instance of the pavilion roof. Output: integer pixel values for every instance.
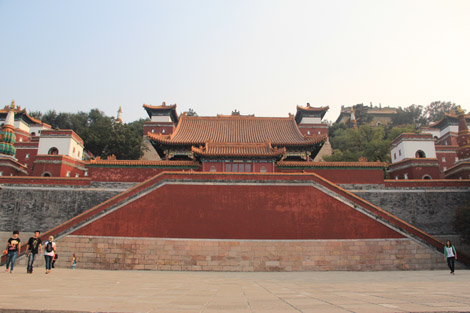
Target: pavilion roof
(238, 150)
(196, 130)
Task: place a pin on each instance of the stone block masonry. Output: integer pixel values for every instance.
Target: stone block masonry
(124, 253)
(31, 207)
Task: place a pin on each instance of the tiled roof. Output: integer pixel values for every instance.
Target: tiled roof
(160, 107)
(18, 111)
(195, 130)
(143, 163)
(238, 149)
(312, 109)
(330, 164)
(450, 117)
(419, 136)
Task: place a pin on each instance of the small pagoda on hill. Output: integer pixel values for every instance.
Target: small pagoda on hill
(236, 143)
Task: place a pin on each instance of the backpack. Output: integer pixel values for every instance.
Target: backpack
(49, 246)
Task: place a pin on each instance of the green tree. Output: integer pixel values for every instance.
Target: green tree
(436, 110)
(102, 135)
(411, 115)
(372, 143)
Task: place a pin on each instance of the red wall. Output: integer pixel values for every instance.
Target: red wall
(58, 166)
(126, 174)
(238, 212)
(416, 169)
(27, 180)
(344, 175)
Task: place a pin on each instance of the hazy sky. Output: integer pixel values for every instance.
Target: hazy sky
(260, 57)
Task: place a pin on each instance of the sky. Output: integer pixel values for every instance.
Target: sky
(261, 57)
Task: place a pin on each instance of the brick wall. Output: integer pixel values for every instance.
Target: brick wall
(126, 253)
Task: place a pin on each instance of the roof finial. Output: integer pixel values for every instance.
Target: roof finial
(163, 103)
(308, 104)
(12, 106)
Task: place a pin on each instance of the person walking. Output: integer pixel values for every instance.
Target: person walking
(33, 247)
(13, 248)
(50, 249)
(450, 255)
(74, 261)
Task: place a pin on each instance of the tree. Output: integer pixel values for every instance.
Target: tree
(436, 110)
(102, 135)
(411, 115)
(462, 222)
(191, 112)
(372, 143)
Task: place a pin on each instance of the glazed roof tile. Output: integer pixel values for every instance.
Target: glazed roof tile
(195, 130)
(238, 150)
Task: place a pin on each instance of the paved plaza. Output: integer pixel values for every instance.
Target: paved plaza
(154, 291)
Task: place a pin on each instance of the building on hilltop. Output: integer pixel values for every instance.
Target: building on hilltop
(376, 115)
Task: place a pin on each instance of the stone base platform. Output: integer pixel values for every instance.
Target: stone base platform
(119, 253)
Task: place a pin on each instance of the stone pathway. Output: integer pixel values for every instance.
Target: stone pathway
(152, 291)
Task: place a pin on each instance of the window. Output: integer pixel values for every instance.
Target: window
(262, 169)
(53, 151)
(444, 169)
(73, 150)
(396, 177)
(77, 175)
(456, 159)
(153, 131)
(420, 154)
(427, 177)
(86, 174)
(248, 167)
(213, 169)
(308, 132)
(228, 167)
(163, 131)
(46, 174)
(405, 176)
(443, 159)
(21, 139)
(399, 152)
(234, 167)
(395, 156)
(78, 153)
(319, 132)
(241, 167)
(27, 156)
(1, 173)
(68, 174)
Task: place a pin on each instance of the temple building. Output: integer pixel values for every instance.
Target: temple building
(441, 150)
(29, 147)
(378, 115)
(236, 143)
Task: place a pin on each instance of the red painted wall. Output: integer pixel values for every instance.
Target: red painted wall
(427, 183)
(238, 212)
(58, 166)
(415, 169)
(126, 174)
(344, 175)
(27, 180)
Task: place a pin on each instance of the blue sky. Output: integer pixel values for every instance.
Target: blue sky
(259, 57)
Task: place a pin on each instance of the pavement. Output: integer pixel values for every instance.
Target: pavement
(153, 291)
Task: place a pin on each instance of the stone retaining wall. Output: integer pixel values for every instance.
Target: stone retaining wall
(245, 255)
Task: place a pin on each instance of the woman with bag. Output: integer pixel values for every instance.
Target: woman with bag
(49, 252)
